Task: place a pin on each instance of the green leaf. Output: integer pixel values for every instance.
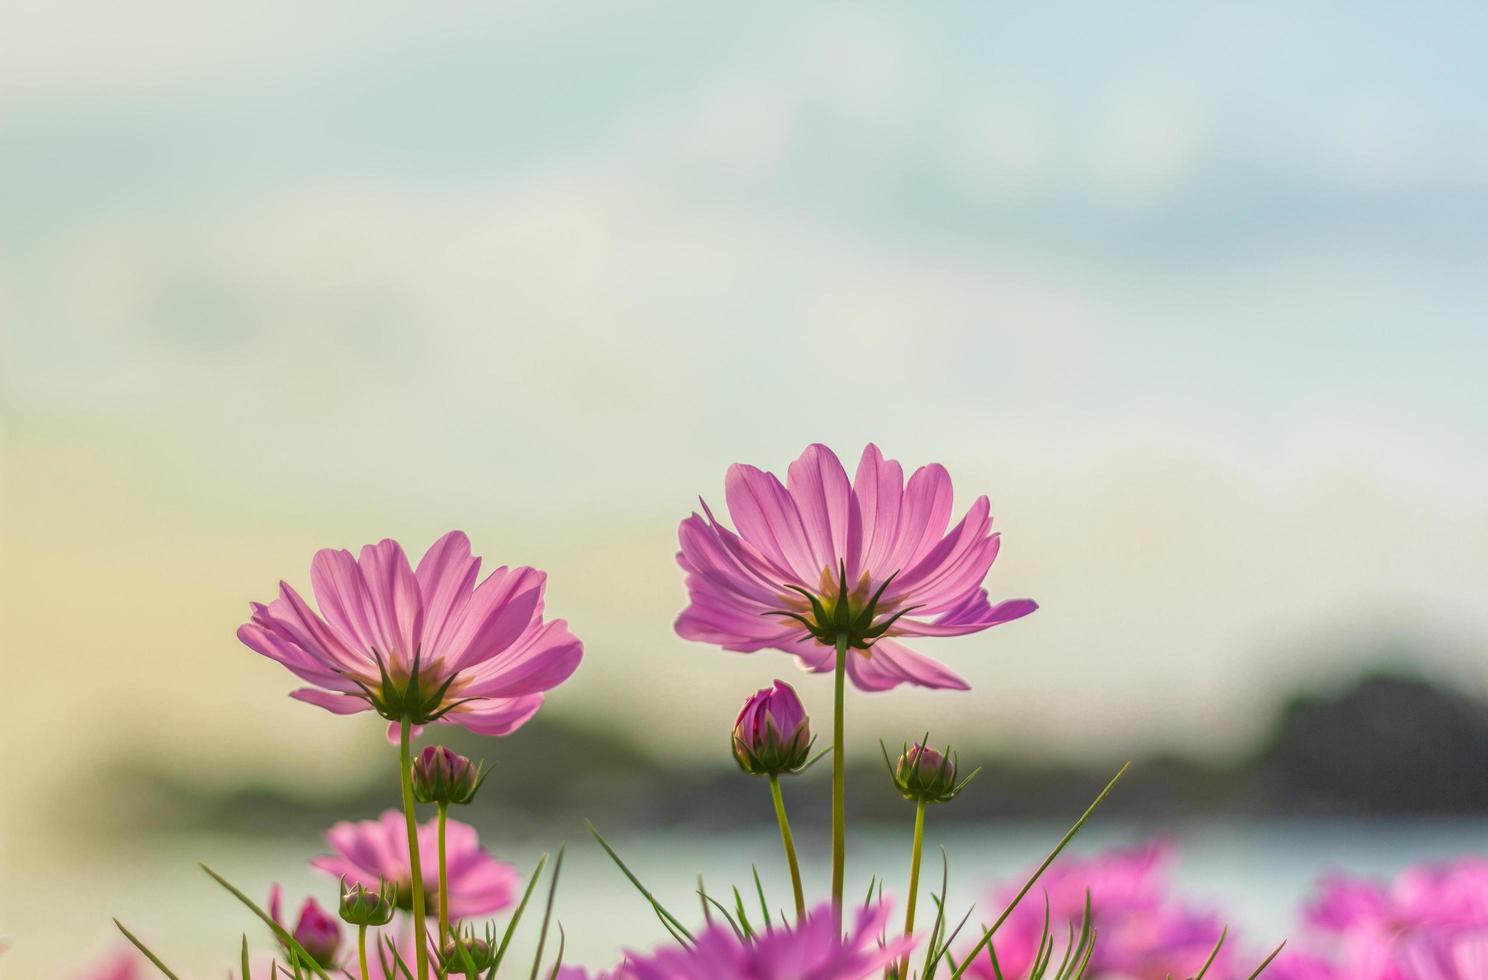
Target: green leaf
(1033, 879)
(1213, 954)
(760, 890)
(511, 927)
(1267, 961)
(542, 938)
(284, 937)
(146, 950)
(667, 918)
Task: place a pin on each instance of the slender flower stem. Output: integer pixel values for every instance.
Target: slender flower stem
(420, 928)
(839, 821)
(914, 879)
(790, 847)
(443, 881)
(362, 950)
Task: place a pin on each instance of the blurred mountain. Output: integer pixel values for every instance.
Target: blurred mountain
(1386, 746)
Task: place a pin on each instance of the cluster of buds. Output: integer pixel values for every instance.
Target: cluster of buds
(315, 930)
(363, 906)
(772, 734)
(464, 954)
(925, 775)
(444, 777)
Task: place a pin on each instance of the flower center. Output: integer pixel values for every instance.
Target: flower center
(851, 617)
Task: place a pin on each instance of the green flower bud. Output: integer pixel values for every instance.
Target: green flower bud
(466, 955)
(361, 906)
(925, 775)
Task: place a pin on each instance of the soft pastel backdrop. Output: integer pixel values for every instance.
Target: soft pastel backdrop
(1195, 293)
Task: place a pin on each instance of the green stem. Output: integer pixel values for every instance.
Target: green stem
(362, 950)
(790, 847)
(443, 881)
(420, 928)
(914, 879)
(839, 821)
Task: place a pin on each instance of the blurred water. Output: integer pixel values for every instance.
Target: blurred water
(1255, 872)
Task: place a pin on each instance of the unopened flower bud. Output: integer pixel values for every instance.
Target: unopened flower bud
(466, 955)
(772, 734)
(925, 775)
(317, 932)
(363, 906)
(443, 776)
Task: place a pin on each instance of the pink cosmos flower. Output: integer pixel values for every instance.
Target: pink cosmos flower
(370, 851)
(820, 558)
(429, 644)
(811, 950)
(316, 930)
(1430, 923)
(1142, 932)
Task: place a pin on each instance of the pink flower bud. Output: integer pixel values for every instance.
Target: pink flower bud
(772, 734)
(316, 930)
(443, 776)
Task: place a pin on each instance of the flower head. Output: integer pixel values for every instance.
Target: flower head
(925, 775)
(811, 950)
(316, 930)
(820, 560)
(1142, 930)
(465, 954)
(1429, 923)
(426, 644)
(372, 851)
(365, 906)
(772, 734)
(441, 775)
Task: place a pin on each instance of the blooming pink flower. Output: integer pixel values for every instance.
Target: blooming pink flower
(812, 950)
(1429, 923)
(427, 643)
(316, 930)
(804, 547)
(372, 850)
(1142, 932)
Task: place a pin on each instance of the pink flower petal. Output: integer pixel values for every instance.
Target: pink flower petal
(889, 664)
(818, 485)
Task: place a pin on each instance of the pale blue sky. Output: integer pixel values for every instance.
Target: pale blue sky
(1195, 293)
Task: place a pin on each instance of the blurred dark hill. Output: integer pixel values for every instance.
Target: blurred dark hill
(1386, 746)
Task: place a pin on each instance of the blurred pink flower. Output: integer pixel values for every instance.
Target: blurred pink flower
(798, 545)
(1459, 955)
(315, 929)
(811, 950)
(371, 850)
(484, 655)
(122, 964)
(1429, 923)
(1143, 932)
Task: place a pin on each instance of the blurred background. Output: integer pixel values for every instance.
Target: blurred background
(1194, 293)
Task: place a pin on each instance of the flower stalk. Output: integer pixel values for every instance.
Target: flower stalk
(443, 880)
(790, 847)
(914, 880)
(420, 927)
(362, 951)
(839, 821)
